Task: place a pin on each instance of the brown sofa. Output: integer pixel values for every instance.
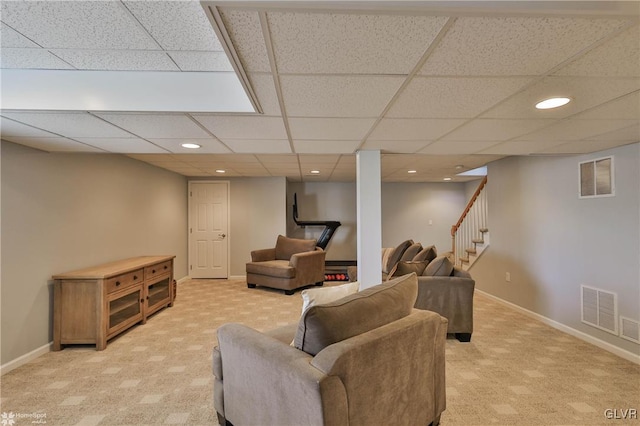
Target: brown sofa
(368, 358)
(291, 264)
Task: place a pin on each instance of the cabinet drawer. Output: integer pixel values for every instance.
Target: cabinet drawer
(157, 269)
(125, 280)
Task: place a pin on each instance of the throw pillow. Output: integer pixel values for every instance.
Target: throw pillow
(441, 266)
(324, 325)
(320, 296)
(427, 253)
(411, 251)
(407, 267)
(287, 247)
(397, 254)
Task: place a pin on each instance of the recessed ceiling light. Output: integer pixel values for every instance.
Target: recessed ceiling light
(412, 171)
(190, 145)
(459, 166)
(552, 103)
(447, 179)
(221, 171)
(315, 172)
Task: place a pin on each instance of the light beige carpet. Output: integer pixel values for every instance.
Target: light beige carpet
(515, 371)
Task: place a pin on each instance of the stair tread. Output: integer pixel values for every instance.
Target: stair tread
(483, 230)
(471, 250)
(478, 241)
(464, 259)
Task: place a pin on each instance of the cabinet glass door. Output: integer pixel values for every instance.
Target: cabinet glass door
(158, 292)
(124, 308)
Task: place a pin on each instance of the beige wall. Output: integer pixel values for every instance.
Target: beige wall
(551, 242)
(66, 211)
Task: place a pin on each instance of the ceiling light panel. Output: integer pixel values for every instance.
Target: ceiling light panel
(439, 97)
(246, 34)
(513, 45)
(156, 125)
(117, 60)
(338, 96)
(586, 93)
(243, 127)
(413, 128)
(176, 25)
(201, 61)
(330, 128)
(96, 25)
(19, 58)
(350, 43)
(71, 125)
(618, 57)
(325, 146)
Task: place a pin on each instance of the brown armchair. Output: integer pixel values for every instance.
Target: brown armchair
(291, 264)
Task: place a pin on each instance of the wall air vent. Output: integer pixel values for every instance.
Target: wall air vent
(630, 329)
(600, 309)
(597, 178)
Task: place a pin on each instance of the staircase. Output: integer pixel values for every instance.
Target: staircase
(470, 235)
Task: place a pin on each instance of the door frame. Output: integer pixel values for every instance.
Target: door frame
(189, 227)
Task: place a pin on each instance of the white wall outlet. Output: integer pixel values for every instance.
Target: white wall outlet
(430, 221)
(507, 277)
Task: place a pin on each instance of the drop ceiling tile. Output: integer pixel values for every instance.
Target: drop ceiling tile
(307, 159)
(585, 92)
(77, 24)
(117, 60)
(13, 128)
(625, 134)
(489, 129)
(123, 145)
(395, 146)
(625, 107)
(156, 125)
(278, 159)
(245, 31)
(325, 146)
(618, 57)
(207, 146)
(265, 90)
(350, 43)
(513, 45)
(176, 25)
(155, 158)
(201, 61)
(413, 128)
(456, 147)
(330, 128)
(581, 147)
(69, 124)
(55, 144)
(443, 97)
(11, 38)
(521, 147)
(575, 129)
(243, 127)
(27, 58)
(260, 146)
(338, 96)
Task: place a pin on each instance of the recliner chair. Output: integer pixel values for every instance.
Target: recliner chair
(293, 263)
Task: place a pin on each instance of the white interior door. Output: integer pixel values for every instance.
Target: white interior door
(208, 229)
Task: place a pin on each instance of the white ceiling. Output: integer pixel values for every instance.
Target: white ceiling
(434, 85)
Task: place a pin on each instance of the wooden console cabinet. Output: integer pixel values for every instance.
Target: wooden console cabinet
(92, 305)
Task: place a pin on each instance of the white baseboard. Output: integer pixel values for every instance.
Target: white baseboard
(629, 356)
(20, 361)
(183, 279)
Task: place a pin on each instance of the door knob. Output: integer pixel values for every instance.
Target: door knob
(222, 235)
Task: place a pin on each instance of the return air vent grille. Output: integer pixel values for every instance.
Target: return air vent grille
(630, 329)
(600, 309)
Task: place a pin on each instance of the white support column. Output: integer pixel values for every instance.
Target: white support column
(369, 216)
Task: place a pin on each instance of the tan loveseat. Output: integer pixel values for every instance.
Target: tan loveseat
(368, 358)
(291, 264)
